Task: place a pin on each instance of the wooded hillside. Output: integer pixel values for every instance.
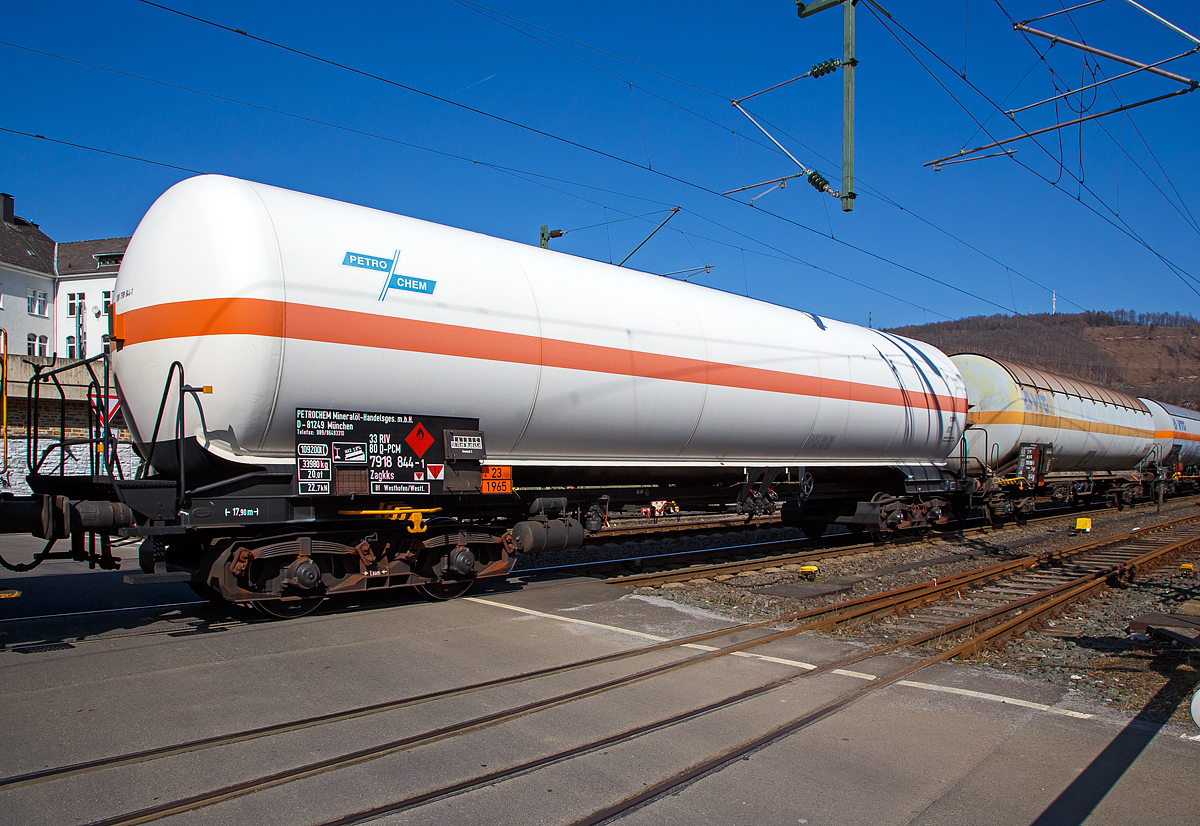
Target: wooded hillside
(1148, 354)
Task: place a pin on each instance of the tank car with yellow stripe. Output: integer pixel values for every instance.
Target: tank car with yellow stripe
(1177, 444)
(1031, 432)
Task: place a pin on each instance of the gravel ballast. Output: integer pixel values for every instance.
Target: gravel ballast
(1088, 650)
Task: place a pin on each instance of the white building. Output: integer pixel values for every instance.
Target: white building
(54, 298)
(27, 283)
(86, 271)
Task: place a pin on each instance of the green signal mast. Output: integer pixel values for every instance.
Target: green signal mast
(848, 64)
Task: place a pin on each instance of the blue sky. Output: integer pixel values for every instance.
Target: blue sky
(1088, 213)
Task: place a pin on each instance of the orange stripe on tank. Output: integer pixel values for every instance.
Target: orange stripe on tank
(203, 317)
(1177, 435)
(263, 317)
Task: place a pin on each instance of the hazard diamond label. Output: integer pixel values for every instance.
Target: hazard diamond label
(436, 472)
(419, 440)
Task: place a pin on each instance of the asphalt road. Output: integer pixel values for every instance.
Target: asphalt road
(131, 667)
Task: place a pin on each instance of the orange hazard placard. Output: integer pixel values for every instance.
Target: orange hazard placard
(497, 479)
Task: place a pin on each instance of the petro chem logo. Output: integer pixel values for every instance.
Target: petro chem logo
(369, 262)
(395, 280)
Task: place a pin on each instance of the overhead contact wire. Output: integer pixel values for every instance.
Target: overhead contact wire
(1124, 227)
(1188, 218)
(567, 141)
(499, 167)
(1119, 224)
(99, 151)
(490, 12)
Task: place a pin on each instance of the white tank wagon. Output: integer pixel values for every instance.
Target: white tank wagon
(334, 398)
(1177, 440)
(279, 300)
(1030, 428)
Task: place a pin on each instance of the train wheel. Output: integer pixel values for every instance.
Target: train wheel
(442, 591)
(287, 608)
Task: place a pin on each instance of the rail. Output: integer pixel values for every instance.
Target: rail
(683, 568)
(963, 637)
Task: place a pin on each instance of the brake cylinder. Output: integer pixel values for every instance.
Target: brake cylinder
(544, 535)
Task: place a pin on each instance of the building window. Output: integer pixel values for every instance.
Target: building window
(70, 347)
(76, 304)
(37, 302)
(31, 345)
(107, 301)
(43, 344)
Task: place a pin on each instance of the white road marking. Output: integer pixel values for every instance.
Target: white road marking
(979, 695)
(642, 634)
(997, 698)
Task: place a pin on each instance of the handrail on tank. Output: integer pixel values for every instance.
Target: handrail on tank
(962, 454)
(100, 431)
(1154, 455)
(100, 427)
(185, 390)
(33, 399)
(965, 459)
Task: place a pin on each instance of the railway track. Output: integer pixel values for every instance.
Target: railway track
(683, 526)
(1015, 610)
(1002, 600)
(764, 555)
(682, 568)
